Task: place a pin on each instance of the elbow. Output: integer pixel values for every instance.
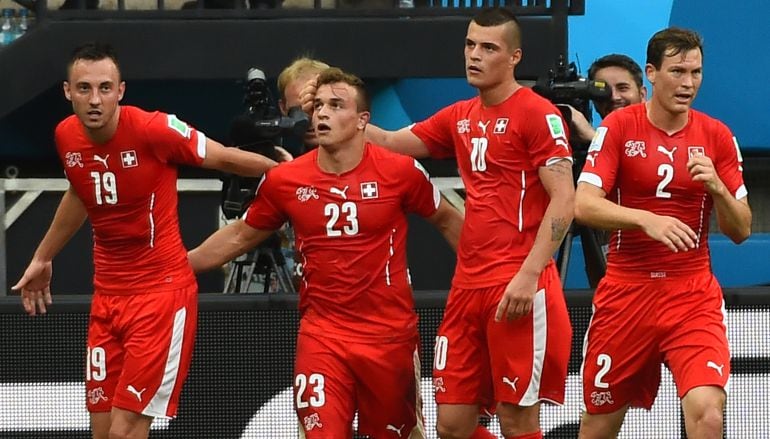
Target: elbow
(740, 235)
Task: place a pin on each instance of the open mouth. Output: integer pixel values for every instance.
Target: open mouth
(473, 69)
(322, 128)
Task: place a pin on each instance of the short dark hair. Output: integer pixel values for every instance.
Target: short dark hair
(672, 41)
(498, 16)
(93, 51)
(333, 75)
(617, 60)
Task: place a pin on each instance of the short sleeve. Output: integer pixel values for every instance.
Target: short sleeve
(546, 136)
(436, 133)
(174, 141)
(603, 156)
(729, 162)
(420, 195)
(264, 212)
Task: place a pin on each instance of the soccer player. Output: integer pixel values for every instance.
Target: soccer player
(347, 200)
(121, 163)
(654, 173)
(504, 342)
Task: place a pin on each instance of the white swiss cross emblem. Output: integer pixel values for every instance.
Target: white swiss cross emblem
(500, 125)
(128, 158)
(369, 190)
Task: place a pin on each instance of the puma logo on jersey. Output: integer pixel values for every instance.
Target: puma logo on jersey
(714, 366)
(591, 158)
(484, 126)
(393, 428)
(506, 380)
(340, 192)
(668, 153)
(138, 393)
(102, 160)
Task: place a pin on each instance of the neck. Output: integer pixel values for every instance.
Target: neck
(105, 133)
(665, 120)
(341, 158)
(498, 93)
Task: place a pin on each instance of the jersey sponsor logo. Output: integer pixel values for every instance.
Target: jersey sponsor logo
(418, 165)
(715, 366)
(600, 398)
(636, 148)
(129, 159)
(101, 160)
(178, 126)
(501, 124)
(484, 126)
(695, 151)
(508, 381)
(340, 192)
(391, 427)
(463, 126)
(598, 141)
(312, 421)
(667, 153)
(72, 159)
(555, 125)
(369, 190)
(305, 193)
(438, 384)
(96, 395)
(137, 393)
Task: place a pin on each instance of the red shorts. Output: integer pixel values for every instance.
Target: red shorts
(139, 350)
(523, 361)
(334, 378)
(636, 326)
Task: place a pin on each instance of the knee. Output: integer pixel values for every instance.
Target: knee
(710, 419)
(451, 429)
(114, 434)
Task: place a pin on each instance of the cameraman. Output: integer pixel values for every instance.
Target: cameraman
(290, 82)
(624, 78)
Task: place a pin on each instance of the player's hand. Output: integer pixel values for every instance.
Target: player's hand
(702, 169)
(518, 296)
(307, 95)
(674, 234)
(35, 287)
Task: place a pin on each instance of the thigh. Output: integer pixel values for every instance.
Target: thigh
(324, 388)
(621, 358)
(158, 332)
(529, 356)
(461, 373)
(388, 390)
(104, 356)
(695, 346)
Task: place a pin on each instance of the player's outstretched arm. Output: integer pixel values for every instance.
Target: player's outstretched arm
(449, 221)
(35, 283)
(733, 215)
(520, 292)
(226, 244)
(402, 141)
(594, 210)
(234, 160)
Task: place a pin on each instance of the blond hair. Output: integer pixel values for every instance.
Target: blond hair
(298, 69)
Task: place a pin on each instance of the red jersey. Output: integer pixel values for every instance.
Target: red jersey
(499, 151)
(350, 231)
(128, 186)
(641, 167)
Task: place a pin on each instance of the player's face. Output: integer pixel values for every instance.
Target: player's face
(489, 59)
(624, 89)
(336, 117)
(95, 88)
(291, 99)
(675, 85)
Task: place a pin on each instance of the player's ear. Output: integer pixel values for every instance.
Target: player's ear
(121, 90)
(515, 58)
(363, 119)
(66, 87)
(650, 71)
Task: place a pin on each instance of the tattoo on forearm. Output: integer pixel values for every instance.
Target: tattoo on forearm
(558, 228)
(561, 167)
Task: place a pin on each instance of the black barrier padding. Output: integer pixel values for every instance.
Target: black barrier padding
(244, 358)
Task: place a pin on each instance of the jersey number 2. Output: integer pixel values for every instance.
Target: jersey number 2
(105, 188)
(667, 172)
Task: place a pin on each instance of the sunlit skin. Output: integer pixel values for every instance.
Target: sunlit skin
(95, 90)
(623, 87)
(674, 86)
(490, 61)
(336, 118)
